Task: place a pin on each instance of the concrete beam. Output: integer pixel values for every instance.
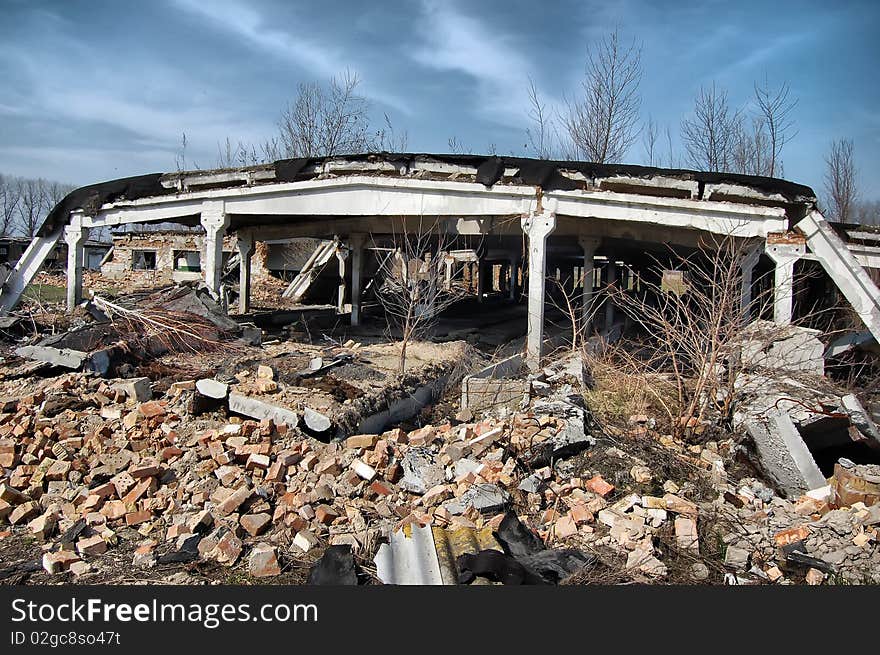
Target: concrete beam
(537, 227)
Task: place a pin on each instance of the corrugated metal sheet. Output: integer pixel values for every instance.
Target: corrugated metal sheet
(410, 558)
(451, 543)
(426, 556)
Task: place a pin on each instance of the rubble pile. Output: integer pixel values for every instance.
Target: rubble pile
(91, 466)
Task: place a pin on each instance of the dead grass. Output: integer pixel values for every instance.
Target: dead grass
(621, 390)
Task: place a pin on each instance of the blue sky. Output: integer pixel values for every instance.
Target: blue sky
(103, 89)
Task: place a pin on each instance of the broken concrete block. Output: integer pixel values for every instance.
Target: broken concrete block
(784, 455)
(211, 388)
(420, 471)
(485, 498)
(263, 561)
(858, 416)
(305, 540)
(66, 357)
(686, 535)
(258, 409)
(737, 558)
(59, 561)
(315, 421)
(531, 484)
(138, 390)
(363, 470)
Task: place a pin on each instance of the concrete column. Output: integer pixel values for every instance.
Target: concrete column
(75, 236)
(589, 246)
(341, 255)
(215, 220)
(783, 288)
(514, 276)
(537, 227)
(747, 268)
(245, 245)
(449, 262)
(784, 255)
(611, 282)
(356, 243)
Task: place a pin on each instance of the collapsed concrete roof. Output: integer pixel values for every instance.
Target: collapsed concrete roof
(486, 170)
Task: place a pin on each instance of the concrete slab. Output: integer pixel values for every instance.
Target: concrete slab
(784, 455)
(258, 409)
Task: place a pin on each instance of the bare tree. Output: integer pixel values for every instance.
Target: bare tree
(542, 133)
(180, 154)
(697, 328)
(867, 212)
(388, 140)
(54, 193)
(751, 153)
(32, 206)
(710, 135)
(456, 147)
(840, 180)
(326, 120)
(413, 292)
(601, 121)
(10, 198)
(775, 107)
(649, 141)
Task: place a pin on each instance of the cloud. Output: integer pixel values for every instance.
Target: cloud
(108, 105)
(455, 42)
(319, 59)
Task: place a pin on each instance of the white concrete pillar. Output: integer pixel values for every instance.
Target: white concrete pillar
(447, 280)
(356, 243)
(611, 283)
(589, 246)
(341, 255)
(537, 227)
(783, 291)
(215, 220)
(747, 268)
(784, 255)
(75, 236)
(245, 245)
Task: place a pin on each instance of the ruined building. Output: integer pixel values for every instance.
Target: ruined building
(526, 216)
